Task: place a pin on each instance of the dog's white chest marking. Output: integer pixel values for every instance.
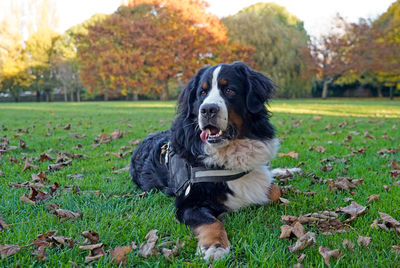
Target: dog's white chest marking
(252, 188)
(247, 155)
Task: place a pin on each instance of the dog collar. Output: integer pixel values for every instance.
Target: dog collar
(183, 175)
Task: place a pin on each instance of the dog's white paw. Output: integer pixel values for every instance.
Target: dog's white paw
(213, 253)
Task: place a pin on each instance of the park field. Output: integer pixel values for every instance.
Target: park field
(355, 139)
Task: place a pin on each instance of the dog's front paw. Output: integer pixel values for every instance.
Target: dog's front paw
(213, 253)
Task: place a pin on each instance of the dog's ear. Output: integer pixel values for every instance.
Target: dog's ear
(188, 94)
(260, 88)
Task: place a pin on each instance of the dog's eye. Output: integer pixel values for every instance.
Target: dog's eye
(229, 91)
(203, 93)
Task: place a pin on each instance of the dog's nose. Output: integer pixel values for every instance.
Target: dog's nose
(209, 111)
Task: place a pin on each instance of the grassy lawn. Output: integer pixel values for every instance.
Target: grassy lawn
(121, 216)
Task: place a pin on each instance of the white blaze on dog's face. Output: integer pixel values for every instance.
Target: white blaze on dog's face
(213, 113)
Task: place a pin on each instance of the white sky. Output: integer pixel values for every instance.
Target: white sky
(316, 14)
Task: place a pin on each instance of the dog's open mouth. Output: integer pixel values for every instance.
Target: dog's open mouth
(212, 134)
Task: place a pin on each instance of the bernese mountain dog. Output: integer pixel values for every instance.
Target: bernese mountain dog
(214, 158)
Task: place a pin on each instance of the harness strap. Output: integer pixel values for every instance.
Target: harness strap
(202, 174)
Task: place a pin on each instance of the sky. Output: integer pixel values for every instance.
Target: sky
(316, 14)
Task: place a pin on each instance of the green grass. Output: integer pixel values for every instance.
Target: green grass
(253, 231)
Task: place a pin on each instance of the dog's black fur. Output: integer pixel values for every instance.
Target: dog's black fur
(205, 202)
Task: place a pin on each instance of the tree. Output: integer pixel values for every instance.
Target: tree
(280, 42)
(143, 46)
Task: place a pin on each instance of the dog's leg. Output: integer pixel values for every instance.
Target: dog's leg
(213, 241)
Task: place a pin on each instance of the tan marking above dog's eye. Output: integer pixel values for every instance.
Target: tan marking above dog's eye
(223, 82)
(204, 85)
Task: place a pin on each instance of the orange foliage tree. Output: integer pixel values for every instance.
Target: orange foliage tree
(147, 43)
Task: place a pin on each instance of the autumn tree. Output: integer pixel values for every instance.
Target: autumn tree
(280, 42)
(14, 76)
(147, 43)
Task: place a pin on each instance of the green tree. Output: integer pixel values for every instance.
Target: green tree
(280, 42)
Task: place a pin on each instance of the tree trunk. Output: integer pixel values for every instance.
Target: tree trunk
(16, 99)
(78, 94)
(164, 92)
(391, 93)
(47, 96)
(380, 92)
(37, 95)
(65, 95)
(72, 94)
(325, 89)
(135, 97)
(105, 96)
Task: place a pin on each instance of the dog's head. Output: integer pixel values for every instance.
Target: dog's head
(227, 102)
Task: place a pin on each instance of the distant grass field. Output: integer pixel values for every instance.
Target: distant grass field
(253, 231)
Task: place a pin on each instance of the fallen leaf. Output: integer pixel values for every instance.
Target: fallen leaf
(348, 138)
(286, 231)
(58, 166)
(344, 183)
(327, 168)
(26, 184)
(24, 198)
(77, 136)
(3, 224)
(96, 252)
(28, 166)
(353, 210)
(387, 188)
(64, 214)
(22, 144)
(343, 125)
(121, 170)
(75, 176)
(116, 134)
(374, 197)
(40, 177)
(8, 250)
(147, 248)
(119, 254)
(303, 242)
(347, 244)
(394, 165)
(389, 221)
(284, 200)
(364, 241)
(289, 154)
(369, 136)
(396, 248)
(327, 254)
(320, 149)
(173, 252)
(45, 156)
(67, 127)
(91, 236)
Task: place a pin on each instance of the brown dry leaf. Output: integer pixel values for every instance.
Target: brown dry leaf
(3, 224)
(396, 248)
(297, 230)
(116, 134)
(327, 168)
(40, 177)
(344, 183)
(353, 210)
(41, 253)
(135, 142)
(119, 254)
(395, 173)
(121, 170)
(291, 154)
(286, 231)
(327, 253)
(22, 144)
(77, 136)
(67, 127)
(372, 198)
(284, 200)
(37, 195)
(64, 214)
(389, 221)
(364, 241)
(330, 226)
(394, 165)
(58, 166)
(348, 138)
(147, 248)
(28, 166)
(320, 149)
(347, 244)
(45, 156)
(343, 125)
(387, 151)
(92, 237)
(173, 252)
(75, 176)
(396, 183)
(8, 250)
(96, 252)
(369, 136)
(387, 188)
(54, 187)
(24, 198)
(303, 242)
(26, 184)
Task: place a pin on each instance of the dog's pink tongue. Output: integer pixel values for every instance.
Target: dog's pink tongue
(204, 135)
